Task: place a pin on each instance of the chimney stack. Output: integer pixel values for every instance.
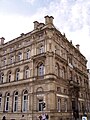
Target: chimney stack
(48, 19)
(36, 23)
(2, 40)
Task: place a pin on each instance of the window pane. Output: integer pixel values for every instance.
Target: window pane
(40, 105)
(41, 70)
(25, 101)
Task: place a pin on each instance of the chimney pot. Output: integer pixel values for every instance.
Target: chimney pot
(48, 20)
(2, 40)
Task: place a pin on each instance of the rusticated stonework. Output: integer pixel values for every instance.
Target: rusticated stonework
(39, 67)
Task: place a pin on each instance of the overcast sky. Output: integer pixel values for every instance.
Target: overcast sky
(71, 17)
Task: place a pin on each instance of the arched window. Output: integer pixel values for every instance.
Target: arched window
(25, 101)
(19, 56)
(41, 49)
(0, 101)
(15, 104)
(28, 54)
(9, 76)
(40, 99)
(41, 70)
(17, 74)
(7, 102)
(27, 71)
(1, 77)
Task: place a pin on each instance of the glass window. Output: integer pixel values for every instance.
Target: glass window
(62, 72)
(17, 74)
(41, 49)
(41, 70)
(11, 59)
(15, 106)
(26, 72)
(28, 54)
(19, 56)
(4, 61)
(0, 101)
(59, 104)
(65, 103)
(40, 106)
(57, 69)
(1, 78)
(7, 103)
(25, 101)
(9, 76)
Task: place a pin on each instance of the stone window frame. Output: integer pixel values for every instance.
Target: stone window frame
(20, 56)
(59, 104)
(7, 97)
(9, 75)
(25, 99)
(17, 74)
(15, 101)
(40, 69)
(26, 70)
(40, 48)
(57, 68)
(1, 77)
(28, 54)
(0, 101)
(40, 99)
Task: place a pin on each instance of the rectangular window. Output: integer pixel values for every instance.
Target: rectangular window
(41, 50)
(1, 78)
(65, 102)
(25, 103)
(59, 104)
(40, 105)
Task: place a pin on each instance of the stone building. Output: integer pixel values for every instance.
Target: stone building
(42, 66)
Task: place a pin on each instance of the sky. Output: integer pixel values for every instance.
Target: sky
(71, 17)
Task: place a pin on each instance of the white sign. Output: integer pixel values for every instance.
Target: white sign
(84, 118)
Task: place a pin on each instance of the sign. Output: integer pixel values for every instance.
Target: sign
(84, 118)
